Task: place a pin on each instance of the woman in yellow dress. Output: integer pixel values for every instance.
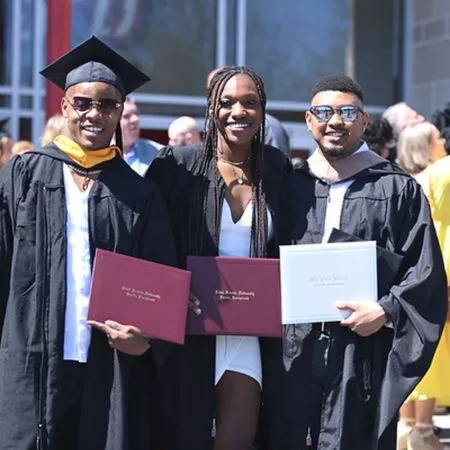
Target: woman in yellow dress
(419, 146)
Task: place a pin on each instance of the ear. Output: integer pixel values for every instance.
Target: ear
(309, 118)
(365, 120)
(64, 106)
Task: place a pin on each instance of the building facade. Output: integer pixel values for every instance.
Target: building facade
(291, 44)
(428, 52)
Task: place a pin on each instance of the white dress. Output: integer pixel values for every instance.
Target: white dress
(237, 353)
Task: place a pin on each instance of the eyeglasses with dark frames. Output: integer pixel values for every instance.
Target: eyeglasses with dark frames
(104, 105)
(323, 113)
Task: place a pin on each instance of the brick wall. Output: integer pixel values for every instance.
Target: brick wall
(430, 54)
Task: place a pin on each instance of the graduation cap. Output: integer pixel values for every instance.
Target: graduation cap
(93, 61)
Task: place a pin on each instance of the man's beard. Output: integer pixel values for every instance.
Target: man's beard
(336, 152)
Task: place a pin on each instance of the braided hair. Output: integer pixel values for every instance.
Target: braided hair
(207, 161)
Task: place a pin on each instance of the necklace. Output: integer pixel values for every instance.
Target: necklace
(86, 174)
(232, 163)
(240, 165)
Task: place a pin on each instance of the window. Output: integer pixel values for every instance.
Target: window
(174, 41)
(293, 46)
(290, 44)
(376, 50)
(5, 41)
(26, 43)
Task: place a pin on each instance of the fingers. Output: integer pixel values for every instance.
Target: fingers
(127, 329)
(352, 318)
(352, 306)
(114, 325)
(194, 308)
(349, 323)
(111, 334)
(99, 326)
(115, 330)
(125, 338)
(194, 299)
(194, 304)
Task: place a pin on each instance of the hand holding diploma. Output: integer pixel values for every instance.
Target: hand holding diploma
(366, 318)
(125, 338)
(194, 304)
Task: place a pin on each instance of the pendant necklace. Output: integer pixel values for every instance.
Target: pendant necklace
(239, 165)
(85, 174)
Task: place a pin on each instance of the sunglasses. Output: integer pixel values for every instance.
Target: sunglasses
(347, 113)
(104, 105)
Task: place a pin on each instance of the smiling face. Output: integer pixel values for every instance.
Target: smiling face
(337, 137)
(239, 114)
(92, 129)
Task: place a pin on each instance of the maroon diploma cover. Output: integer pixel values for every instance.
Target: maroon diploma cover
(147, 295)
(238, 296)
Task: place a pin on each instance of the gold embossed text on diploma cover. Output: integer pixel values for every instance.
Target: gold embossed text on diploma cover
(133, 291)
(238, 296)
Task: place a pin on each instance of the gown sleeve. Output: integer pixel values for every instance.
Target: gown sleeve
(416, 304)
(157, 245)
(11, 188)
(163, 172)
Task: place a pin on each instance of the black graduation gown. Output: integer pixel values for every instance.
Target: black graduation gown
(126, 215)
(187, 391)
(372, 376)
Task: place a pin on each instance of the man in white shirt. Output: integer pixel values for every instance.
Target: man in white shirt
(67, 383)
(340, 385)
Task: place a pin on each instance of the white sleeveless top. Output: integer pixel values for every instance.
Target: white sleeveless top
(77, 334)
(238, 353)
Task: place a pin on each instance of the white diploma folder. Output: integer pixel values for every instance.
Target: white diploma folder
(316, 276)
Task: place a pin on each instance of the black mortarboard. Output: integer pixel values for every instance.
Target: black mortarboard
(92, 61)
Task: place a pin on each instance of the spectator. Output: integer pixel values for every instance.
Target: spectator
(138, 153)
(21, 147)
(379, 136)
(400, 116)
(183, 131)
(419, 146)
(54, 127)
(6, 144)
(441, 118)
